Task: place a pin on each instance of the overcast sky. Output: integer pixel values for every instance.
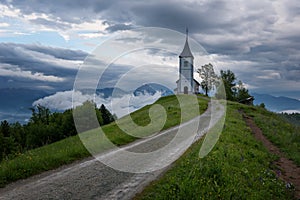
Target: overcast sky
(43, 43)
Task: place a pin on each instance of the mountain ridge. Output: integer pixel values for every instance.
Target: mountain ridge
(277, 104)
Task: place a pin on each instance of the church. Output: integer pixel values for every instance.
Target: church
(186, 84)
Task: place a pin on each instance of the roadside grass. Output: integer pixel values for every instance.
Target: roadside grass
(42, 159)
(70, 149)
(281, 133)
(238, 167)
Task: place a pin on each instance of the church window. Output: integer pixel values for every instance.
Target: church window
(185, 63)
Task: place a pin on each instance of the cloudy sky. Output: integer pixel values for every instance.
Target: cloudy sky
(43, 43)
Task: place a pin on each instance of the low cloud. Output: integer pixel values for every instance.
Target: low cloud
(120, 106)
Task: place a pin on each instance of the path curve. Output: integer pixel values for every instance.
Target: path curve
(90, 179)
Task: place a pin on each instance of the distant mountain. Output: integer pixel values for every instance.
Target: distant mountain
(277, 104)
(151, 89)
(15, 102)
(108, 92)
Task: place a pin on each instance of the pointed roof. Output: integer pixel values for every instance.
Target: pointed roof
(186, 52)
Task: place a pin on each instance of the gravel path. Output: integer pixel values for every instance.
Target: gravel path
(90, 179)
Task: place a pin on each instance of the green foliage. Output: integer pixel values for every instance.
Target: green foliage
(45, 127)
(25, 164)
(280, 132)
(262, 105)
(85, 114)
(241, 93)
(106, 116)
(237, 168)
(234, 91)
(208, 76)
(228, 78)
(4, 128)
(41, 159)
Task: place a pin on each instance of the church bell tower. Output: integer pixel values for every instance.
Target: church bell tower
(185, 84)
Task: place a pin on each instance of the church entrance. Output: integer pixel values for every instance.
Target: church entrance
(185, 90)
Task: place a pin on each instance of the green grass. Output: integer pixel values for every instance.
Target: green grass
(70, 149)
(281, 133)
(42, 159)
(237, 168)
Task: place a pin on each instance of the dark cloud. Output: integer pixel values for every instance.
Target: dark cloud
(262, 33)
(32, 62)
(65, 54)
(171, 15)
(65, 10)
(118, 27)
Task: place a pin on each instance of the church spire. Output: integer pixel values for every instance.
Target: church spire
(186, 52)
(187, 33)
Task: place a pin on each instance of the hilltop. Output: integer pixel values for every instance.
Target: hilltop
(239, 166)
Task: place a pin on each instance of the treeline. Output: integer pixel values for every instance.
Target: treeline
(234, 90)
(43, 128)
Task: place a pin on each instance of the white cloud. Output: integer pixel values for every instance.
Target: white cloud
(289, 111)
(4, 25)
(120, 106)
(9, 11)
(269, 74)
(249, 86)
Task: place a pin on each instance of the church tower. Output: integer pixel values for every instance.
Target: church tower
(186, 82)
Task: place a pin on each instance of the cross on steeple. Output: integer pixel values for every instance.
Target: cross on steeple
(187, 32)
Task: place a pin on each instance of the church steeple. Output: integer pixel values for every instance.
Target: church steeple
(186, 83)
(186, 52)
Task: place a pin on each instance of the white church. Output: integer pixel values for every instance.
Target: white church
(186, 83)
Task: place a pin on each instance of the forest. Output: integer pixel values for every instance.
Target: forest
(44, 127)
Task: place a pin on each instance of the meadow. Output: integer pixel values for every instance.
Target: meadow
(71, 149)
(238, 167)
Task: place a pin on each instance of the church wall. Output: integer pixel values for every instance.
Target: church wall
(186, 75)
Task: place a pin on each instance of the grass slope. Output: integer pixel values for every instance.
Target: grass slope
(237, 168)
(71, 149)
(280, 132)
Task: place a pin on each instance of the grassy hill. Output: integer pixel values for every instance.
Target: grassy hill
(238, 167)
(70, 149)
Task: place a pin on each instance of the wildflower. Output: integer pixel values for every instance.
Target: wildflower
(288, 185)
(278, 173)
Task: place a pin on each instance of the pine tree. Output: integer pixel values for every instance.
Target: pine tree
(107, 117)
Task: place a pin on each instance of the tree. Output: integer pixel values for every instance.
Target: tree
(242, 93)
(1, 146)
(228, 78)
(41, 116)
(84, 116)
(208, 76)
(17, 132)
(7, 141)
(262, 105)
(68, 126)
(107, 117)
(5, 128)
